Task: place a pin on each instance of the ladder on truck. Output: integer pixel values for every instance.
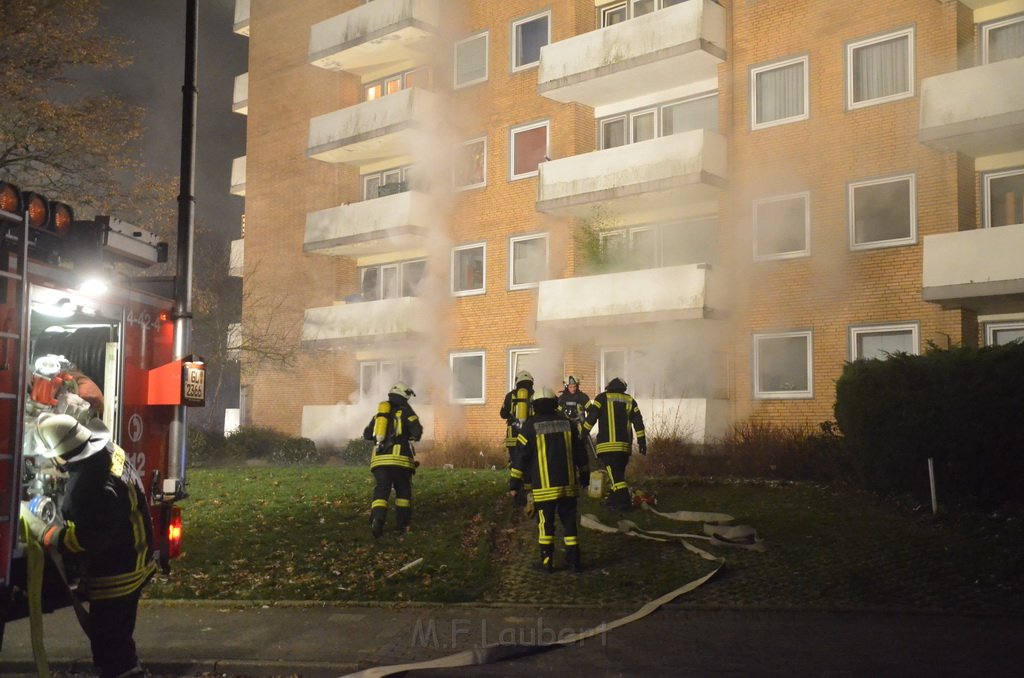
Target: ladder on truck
(14, 317)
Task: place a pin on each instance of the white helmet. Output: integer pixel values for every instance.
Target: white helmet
(62, 434)
(402, 389)
(523, 375)
(544, 392)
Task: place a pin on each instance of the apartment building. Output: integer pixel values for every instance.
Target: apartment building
(720, 202)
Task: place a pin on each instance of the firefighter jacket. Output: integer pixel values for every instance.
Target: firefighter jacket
(548, 457)
(618, 415)
(573, 405)
(516, 409)
(401, 427)
(107, 528)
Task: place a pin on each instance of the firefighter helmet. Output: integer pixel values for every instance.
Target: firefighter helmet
(62, 435)
(616, 384)
(544, 392)
(402, 389)
(523, 375)
(571, 380)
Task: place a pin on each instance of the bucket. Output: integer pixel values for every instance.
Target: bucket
(596, 488)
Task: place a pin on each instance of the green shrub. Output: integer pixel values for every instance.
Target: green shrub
(960, 407)
(357, 452)
(250, 443)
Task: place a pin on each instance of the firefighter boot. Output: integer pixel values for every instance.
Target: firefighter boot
(573, 559)
(377, 527)
(547, 558)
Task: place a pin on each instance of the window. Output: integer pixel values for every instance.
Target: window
(467, 377)
(528, 261)
(388, 182)
(998, 334)
(376, 377)
(468, 269)
(471, 61)
(882, 213)
(879, 342)
(621, 11)
(674, 117)
(782, 365)
(522, 359)
(631, 249)
(1004, 197)
(528, 36)
(614, 363)
(778, 93)
(614, 14)
(390, 281)
(880, 69)
(420, 77)
(782, 227)
(529, 148)
(469, 166)
(1002, 39)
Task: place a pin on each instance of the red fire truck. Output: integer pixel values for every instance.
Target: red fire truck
(112, 349)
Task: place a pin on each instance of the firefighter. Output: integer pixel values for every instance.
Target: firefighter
(618, 415)
(393, 429)
(573, 402)
(106, 529)
(552, 456)
(516, 409)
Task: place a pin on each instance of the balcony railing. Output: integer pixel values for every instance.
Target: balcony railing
(242, 17)
(238, 176)
(982, 270)
(240, 97)
(676, 46)
(687, 292)
(367, 323)
(374, 131)
(376, 39)
(388, 224)
(976, 111)
(666, 178)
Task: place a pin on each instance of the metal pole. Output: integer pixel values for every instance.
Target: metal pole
(931, 482)
(178, 434)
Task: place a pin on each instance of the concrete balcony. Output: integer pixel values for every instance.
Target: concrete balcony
(240, 98)
(376, 39)
(655, 295)
(976, 111)
(666, 178)
(675, 46)
(339, 423)
(981, 270)
(242, 17)
(388, 224)
(367, 323)
(238, 176)
(698, 420)
(374, 131)
(236, 260)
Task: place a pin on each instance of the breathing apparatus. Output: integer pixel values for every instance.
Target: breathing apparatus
(380, 424)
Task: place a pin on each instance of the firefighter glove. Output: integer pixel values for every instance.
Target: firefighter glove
(642, 445)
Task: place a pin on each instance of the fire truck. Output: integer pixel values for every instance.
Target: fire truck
(69, 343)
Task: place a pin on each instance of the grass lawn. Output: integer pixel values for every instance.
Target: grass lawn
(302, 533)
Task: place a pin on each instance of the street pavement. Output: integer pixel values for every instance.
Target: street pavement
(314, 641)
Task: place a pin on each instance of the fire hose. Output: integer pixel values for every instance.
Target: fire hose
(717, 532)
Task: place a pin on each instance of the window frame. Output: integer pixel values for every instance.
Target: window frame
(626, 118)
(482, 245)
(852, 46)
(485, 35)
(604, 376)
(763, 68)
(383, 83)
(397, 266)
(512, 131)
(985, 29)
(513, 366)
(884, 328)
(380, 176)
(452, 357)
(481, 184)
(851, 216)
(986, 190)
(755, 382)
(992, 327)
(513, 50)
(794, 254)
(512, 286)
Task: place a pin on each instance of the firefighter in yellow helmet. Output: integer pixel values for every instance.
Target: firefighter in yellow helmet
(106, 528)
(553, 460)
(516, 409)
(616, 415)
(393, 429)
